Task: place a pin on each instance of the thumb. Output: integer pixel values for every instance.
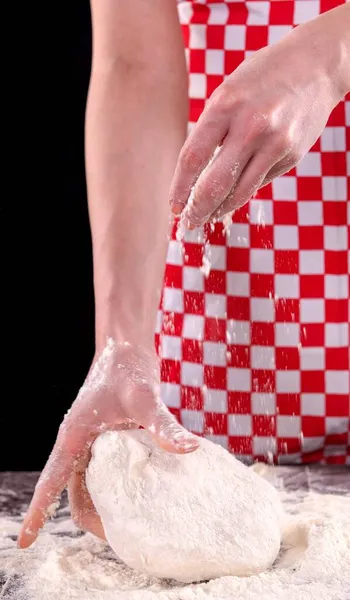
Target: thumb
(168, 433)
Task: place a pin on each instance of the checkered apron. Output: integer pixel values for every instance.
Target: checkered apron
(255, 353)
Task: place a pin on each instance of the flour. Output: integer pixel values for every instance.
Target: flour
(190, 517)
(314, 563)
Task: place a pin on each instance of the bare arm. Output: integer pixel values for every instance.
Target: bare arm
(135, 126)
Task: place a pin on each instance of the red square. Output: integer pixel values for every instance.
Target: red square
(193, 254)
(239, 403)
(196, 108)
(286, 261)
(238, 259)
(215, 377)
(287, 310)
(288, 445)
(194, 303)
(257, 37)
(191, 398)
(263, 381)
(311, 286)
(337, 311)
(240, 444)
(264, 425)
(192, 351)
(340, 439)
(334, 213)
(215, 423)
(215, 283)
(337, 405)
(313, 426)
(172, 323)
(262, 334)
(241, 215)
(233, 59)
(216, 37)
(333, 164)
(238, 308)
(197, 61)
(281, 12)
(261, 236)
(238, 356)
(285, 213)
(287, 359)
(312, 334)
(173, 276)
(288, 404)
(265, 193)
(311, 238)
(215, 234)
(312, 382)
(336, 262)
(215, 330)
(261, 285)
(213, 82)
(309, 188)
(313, 457)
(170, 371)
(201, 14)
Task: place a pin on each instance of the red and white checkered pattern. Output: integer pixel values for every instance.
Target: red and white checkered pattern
(255, 353)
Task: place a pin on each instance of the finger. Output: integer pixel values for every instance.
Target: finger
(70, 447)
(82, 508)
(282, 167)
(198, 149)
(217, 180)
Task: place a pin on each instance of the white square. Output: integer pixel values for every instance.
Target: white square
(312, 359)
(264, 446)
(239, 380)
(221, 440)
(193, 279)
(214, 354)
(238, 332)
(238, 284)
(235, 37)
(171, 347)
(310, 165)
(218, 15)
(347, 113)
(312, 444)
(313, 405)
(263, 404)
(193, 327)
(197, 85)
(337, 425)
(194, 236)
(261, 212)
(238, 235)
(335, 237)
(334, 188)
(337, 382)
(262, 310)
(261, 261)
(240, 425)
(337, 335)
(337, 286)
(170, 394)
(193, 420)
(290, 459)
(312, 310)
(185, 12)
(215, 306)
(333, 139)
(286, 237)
(173, 300)
(288, 382)
(285, 188)
(288, 426)
(175, 253)
(214, 62)
(159, 321)
(258, 12)
(287, 286)
(198, 37)
(287, 335)
(191, 374)
(311, 262)
(216, 255)
(215, 401)
(304, 11)
(263, 357)
(277, 32)
(310, 213)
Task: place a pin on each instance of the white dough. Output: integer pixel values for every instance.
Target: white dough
(190, 517)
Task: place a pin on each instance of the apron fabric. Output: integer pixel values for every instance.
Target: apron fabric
(255, 350)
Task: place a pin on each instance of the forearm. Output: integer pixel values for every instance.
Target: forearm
(135, 126)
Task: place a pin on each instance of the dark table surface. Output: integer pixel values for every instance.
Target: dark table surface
(16, 490)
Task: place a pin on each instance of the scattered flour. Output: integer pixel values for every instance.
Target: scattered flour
(314, 563)
(191, 517)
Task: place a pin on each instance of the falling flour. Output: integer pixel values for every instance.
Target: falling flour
(313, 564)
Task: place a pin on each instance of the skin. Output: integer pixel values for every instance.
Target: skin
(135, 127)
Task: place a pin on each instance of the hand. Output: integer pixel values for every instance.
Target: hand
(121, 390)
(264, 117)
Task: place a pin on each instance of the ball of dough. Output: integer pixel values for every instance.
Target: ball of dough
(189, 517)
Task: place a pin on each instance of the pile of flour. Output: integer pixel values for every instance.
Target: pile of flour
(314, 563)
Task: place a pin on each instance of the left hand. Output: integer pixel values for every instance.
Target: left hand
(265, 116)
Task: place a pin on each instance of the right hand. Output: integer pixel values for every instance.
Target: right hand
(121, 391)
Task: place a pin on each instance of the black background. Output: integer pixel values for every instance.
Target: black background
(46, 294)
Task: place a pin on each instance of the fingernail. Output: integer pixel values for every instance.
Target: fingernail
(187, 444)
(177, 208)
